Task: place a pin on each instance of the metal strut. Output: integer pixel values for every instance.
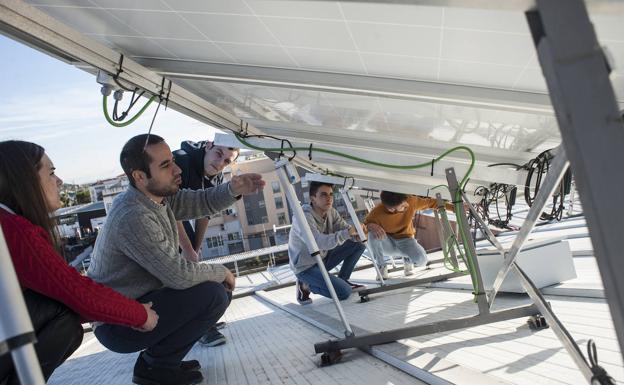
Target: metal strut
(286, 182)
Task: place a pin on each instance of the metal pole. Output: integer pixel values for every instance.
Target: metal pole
(16, 331)
(556, 325)
(280, 168)
(469, 246)
(444, 229)
(555, 173)
(358, 227)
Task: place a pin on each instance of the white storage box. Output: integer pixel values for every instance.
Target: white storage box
(546, 262)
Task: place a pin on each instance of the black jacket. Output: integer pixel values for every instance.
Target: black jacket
(190, 158)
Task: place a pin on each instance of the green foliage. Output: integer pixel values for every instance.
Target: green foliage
(83, 196)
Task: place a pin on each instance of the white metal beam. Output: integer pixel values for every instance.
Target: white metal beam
(439, 93)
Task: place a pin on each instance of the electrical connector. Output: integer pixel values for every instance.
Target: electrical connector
(107, 82)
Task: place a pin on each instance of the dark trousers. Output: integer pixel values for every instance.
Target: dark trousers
(59, 334)
(184, 316)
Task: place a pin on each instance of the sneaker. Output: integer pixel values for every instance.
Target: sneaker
(189, 366)
(354, 286)
(219, 325)
(212, 338)
(408, 268)
(146, 374)
(303, 293)
(384, 273)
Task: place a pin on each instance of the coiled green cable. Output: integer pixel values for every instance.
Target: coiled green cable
(129, 121)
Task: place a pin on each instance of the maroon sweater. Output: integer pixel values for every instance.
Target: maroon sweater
(40, 268)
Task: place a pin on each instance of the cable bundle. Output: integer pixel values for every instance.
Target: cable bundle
(537, 168)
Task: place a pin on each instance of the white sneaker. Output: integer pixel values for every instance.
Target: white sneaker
(384, 273)
(408, 268)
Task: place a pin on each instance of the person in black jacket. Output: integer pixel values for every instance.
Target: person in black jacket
(202, 164)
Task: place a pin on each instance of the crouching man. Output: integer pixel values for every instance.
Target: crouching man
(137, 254)
(391, 230)
(336, 240)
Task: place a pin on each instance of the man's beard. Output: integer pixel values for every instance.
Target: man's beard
(161, 191)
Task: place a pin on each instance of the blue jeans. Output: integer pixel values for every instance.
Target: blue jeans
(348, 253)
(399, 247)
(183, 317)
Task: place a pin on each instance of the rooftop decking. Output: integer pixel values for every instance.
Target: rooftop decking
(270, 342)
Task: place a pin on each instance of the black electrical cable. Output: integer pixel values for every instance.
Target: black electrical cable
(537, 168)
(492, 195)
(133, 100)
(600, 375)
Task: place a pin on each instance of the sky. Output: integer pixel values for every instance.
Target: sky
(58, 106)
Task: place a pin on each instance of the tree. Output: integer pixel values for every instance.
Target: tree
(83, 196)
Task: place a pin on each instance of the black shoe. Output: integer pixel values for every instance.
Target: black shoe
(146, 374)
(212, 338)
(189, 366)
(303, 293)
(354, 286)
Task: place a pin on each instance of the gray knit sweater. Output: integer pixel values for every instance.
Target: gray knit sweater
(329, 232)
(137, 252)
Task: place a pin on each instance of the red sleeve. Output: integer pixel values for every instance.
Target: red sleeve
(40, 268)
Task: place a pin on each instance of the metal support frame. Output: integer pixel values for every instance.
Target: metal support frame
(552, 178)
(485, 315)
(577, 77)
(444, 228)
(421, 330)
(479, 291)
(16, 330)
(286, 182)
(344, 192)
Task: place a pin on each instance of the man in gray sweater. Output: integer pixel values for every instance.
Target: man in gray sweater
(337, 242)
(137, 254)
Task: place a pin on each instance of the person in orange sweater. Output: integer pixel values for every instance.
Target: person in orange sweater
(391, 229)
(57, 297)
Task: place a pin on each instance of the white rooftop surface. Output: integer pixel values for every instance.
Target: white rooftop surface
(267, 344)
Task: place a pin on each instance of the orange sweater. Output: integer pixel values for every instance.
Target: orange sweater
(400, 225)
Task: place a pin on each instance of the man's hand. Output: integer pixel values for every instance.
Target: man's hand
(190, 255)
(152, 319)
(377, 230)
(230, 281)
(246, 184)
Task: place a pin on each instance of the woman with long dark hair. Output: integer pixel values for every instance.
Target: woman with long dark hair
(58, 298)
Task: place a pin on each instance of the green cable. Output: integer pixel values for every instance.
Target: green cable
(127, 122)
(373, 163)
(462, 183)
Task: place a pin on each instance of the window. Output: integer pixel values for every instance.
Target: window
(261, 203)
(276, 187)
(233, 236)
(264, 220)
(281, 219)
(214, 241)
(279, 203)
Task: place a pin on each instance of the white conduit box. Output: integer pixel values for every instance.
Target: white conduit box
(546, 262)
